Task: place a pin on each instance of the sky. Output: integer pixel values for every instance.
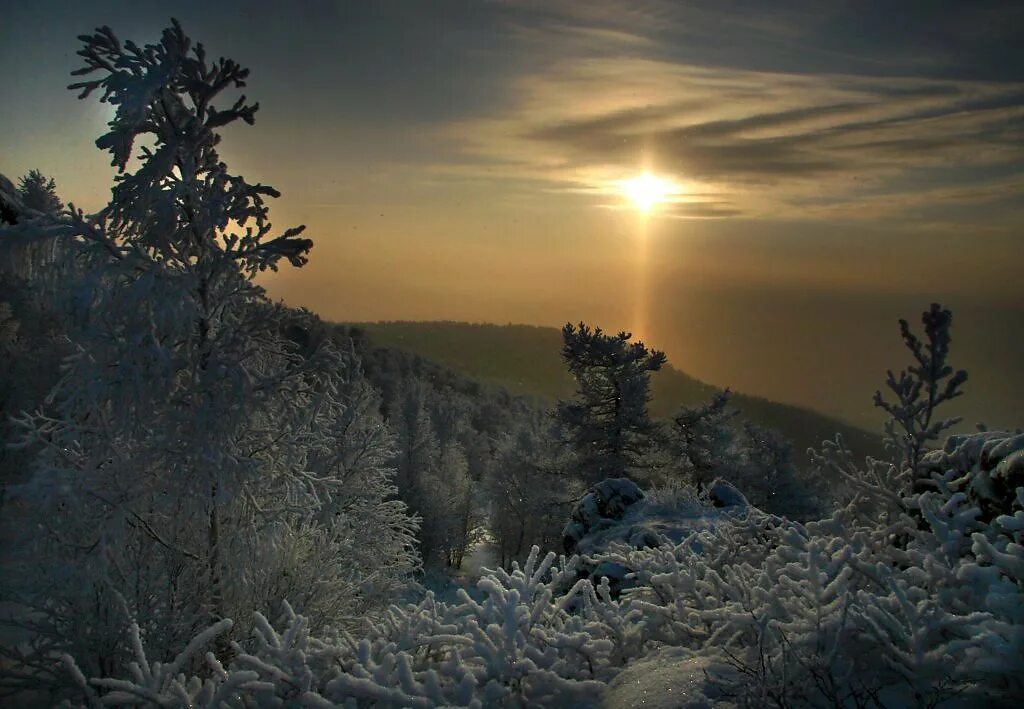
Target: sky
(829, 168)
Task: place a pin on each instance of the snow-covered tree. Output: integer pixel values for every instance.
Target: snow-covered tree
(929, 382)
(708, 441)
(700, 440)
(462, 509)
(417, 461)
(608, 423)
(766, 474)
(529, 493)
(38, 307)
(196, 458)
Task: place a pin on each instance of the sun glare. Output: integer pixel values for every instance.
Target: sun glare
(647, 190)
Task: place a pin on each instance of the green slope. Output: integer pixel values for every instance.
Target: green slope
(526, 360)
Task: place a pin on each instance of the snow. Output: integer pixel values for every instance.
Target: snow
(605, 504)
(638, 521)
(724, 494)
(668, 678)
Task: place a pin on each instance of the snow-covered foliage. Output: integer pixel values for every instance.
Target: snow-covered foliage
(920, 388)
(906, 595)
(517, 646)
(603, 506)
(776, 613)
(743, 606)
(204, 453)
(707, 442)
(991, 465)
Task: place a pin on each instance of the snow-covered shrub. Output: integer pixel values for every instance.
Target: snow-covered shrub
(518, 646)
(673, 499)
(876, 604)
(991, 467)
(776, 613)
(910, 593)
(603, 505)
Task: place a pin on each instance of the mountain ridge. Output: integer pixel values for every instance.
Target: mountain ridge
(526, 361)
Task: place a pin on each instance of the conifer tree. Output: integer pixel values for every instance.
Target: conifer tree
(40, 193)
(920, 389)
(608, 423)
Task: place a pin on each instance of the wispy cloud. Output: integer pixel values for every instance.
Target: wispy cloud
(757, 142)
(617, 88)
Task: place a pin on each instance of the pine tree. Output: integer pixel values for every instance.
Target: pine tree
(172, 222)
(40, 193)
(608, 423)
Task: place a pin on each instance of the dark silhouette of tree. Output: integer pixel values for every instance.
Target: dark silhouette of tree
(920, 389)
(608, 423)
(39, 192)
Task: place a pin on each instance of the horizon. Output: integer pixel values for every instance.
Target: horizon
(868, 425)
(812, 175)
(668, 365)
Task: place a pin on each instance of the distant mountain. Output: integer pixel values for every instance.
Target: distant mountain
(526, 360)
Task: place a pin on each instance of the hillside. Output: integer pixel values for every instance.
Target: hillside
(525, 360)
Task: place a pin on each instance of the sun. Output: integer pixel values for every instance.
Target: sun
(647, 190)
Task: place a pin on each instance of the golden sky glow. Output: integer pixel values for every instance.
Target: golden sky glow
(811, 177)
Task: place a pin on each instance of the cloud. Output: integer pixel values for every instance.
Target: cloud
(761, 142)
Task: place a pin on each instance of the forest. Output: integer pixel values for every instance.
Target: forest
(210, 498)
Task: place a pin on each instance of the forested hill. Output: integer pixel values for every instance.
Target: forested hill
(526, 360)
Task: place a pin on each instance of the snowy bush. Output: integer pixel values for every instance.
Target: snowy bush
(603, 505)
(518, 646)
(776, 613)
